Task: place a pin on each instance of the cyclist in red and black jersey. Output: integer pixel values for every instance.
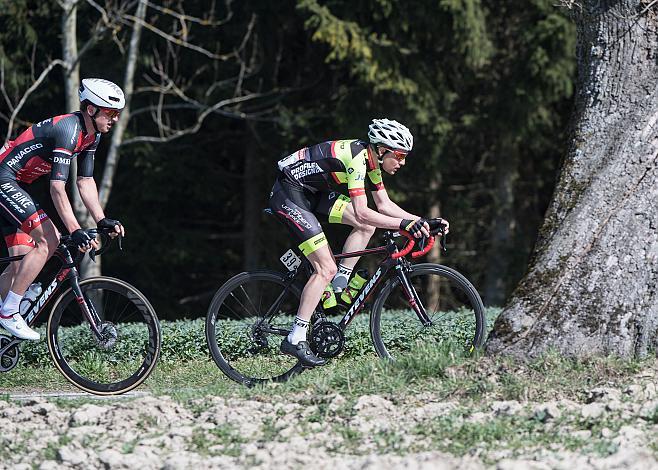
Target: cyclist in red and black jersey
(48, 148)
(312, 181)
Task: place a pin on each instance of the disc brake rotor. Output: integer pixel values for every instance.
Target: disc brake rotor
(108, 336)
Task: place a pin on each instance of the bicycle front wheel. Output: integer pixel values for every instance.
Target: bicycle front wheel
(246, 322)
(125, 352)
(453, 306)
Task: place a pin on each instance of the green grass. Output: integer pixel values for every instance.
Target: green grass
(185, 371)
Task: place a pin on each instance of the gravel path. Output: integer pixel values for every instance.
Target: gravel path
(612, 428)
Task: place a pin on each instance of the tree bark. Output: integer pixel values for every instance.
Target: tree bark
(71, 82)
(503, 226)
(592, 285)
(252, 207)
(128, 87)
(434, 256)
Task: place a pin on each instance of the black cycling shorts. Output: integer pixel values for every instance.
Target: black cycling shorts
(19, 214)
(297, 207)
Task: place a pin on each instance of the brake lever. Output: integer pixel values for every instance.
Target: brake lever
(443, 241)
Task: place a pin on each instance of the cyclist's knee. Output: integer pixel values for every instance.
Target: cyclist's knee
(368, 230)
(46, 238)
(327, 271)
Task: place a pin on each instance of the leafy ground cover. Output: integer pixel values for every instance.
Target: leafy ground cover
(432, 408)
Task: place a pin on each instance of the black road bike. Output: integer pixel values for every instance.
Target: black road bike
(413, 305)
(103, 334)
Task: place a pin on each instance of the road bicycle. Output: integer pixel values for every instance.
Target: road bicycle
(103, 334)
(413, 305)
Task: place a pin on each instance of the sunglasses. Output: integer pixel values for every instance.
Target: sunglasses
(111, 113)
(398, 154)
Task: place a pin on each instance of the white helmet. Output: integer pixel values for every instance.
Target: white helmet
(102, 93)
(391, 134)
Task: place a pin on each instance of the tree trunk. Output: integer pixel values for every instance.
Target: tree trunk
(119, 128)
(592, 286)
(89, 268)
(252, 207)
(502, 228)
(71, 83)
(434, 256)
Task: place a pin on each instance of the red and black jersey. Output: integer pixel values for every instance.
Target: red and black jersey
(48, 147)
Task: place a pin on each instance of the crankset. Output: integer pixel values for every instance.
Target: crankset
(9, 355)
(327, 339)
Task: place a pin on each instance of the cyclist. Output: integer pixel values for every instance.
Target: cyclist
(47, 148)
(309, 183)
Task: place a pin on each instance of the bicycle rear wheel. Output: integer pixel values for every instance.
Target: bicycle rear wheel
(452, 304)
(246, 322)
(129, 345)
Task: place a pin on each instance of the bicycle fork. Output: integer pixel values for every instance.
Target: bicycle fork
(412, 296)
(86, 306)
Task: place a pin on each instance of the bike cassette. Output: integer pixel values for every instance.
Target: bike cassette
(9, 358)
(327, 339)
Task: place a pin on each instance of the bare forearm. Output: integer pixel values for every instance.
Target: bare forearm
(89, 196)
(63, 207)
(369, 217)
(393, 210)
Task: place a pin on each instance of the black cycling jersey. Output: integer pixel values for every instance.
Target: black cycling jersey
(304, 187)
(48, 147)
(332, 164)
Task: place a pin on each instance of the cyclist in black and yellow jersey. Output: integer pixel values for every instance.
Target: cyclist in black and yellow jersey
(313, 181)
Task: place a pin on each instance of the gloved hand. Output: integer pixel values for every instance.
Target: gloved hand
(111, 224)
(439, 225)
(414, 227)
(81, 239)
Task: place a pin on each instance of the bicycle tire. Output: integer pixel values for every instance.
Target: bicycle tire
(118, 364)
(457, 313)
(235, 334)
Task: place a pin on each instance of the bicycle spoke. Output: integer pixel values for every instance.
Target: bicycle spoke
(126, 350)
(453, 308)
(245, 324)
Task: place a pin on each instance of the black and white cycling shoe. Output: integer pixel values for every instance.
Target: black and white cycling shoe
(303, 352)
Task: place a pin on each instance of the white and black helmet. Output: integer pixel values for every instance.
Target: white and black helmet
(391, 134)
(102, 93)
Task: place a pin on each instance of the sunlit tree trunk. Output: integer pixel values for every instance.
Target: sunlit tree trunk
(434, 256)
(252, 188)
(592, 287)
(502, 227)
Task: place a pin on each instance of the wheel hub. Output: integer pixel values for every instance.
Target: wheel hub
(108, 336)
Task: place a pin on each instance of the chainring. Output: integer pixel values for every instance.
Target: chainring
(327, 339)
(9, 359)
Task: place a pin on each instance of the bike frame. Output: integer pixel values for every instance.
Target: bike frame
(67, 272)
(401, 266)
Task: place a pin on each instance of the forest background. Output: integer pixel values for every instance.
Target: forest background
(222, 90)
